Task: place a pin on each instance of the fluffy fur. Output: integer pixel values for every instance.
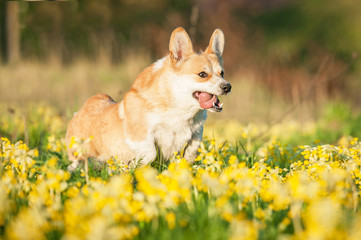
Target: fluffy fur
(162, 108)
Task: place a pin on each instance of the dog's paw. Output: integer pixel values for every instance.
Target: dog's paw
(73, 166)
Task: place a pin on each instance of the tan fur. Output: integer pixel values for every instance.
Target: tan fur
(159, 109)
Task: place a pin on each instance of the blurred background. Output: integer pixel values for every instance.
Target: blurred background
(286, 59)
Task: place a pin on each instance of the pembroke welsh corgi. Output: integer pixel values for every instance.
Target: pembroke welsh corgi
(165, 108)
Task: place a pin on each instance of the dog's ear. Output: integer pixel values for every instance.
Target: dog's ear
(216, 44)
(180, 45)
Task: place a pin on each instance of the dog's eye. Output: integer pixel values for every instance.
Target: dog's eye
(203, 74)
(222, 74)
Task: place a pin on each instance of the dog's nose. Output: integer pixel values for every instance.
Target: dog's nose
(226, 87)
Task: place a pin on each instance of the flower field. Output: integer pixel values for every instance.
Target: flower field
(259, 186)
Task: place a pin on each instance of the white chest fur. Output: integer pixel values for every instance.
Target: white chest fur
(172, 132)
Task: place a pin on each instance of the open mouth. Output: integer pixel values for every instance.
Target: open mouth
(208, 101)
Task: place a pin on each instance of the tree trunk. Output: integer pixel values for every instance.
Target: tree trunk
(12, 33)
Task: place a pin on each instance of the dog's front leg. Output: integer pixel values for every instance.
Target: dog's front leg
(191, 150)
(145, 152)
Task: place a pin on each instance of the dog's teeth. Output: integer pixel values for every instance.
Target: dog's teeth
(221, 105)
(214, 104)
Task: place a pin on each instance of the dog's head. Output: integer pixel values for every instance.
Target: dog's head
(199, 76)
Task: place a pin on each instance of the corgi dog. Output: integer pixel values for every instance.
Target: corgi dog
(165, 108)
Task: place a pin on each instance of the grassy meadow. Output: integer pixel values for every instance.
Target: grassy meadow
(260, 173)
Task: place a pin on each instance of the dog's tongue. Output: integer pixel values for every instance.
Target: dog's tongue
(206, 100)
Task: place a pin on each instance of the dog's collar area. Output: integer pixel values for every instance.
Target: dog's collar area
(208, 101)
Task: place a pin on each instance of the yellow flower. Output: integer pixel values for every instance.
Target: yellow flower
(232, 159)
(72, 192)
(259, 213)
(52, 162)
(170, 217)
